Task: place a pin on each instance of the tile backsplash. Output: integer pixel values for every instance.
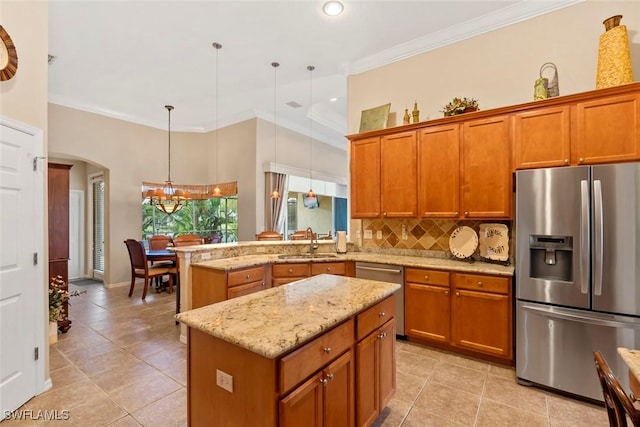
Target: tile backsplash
(419, 234)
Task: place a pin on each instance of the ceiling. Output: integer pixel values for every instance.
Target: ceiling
(127, 59)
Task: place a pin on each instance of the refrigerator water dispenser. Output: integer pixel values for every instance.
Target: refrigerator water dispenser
(551, 257)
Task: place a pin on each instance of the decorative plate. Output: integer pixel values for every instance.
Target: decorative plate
(494, 241)
(463, 242)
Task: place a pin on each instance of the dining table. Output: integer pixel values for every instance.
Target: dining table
(632, 358)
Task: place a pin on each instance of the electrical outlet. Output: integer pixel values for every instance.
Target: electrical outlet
(205, 256)
(379, 235)
(224, 380)
(358, 233)
(405, 236)
(368, 234)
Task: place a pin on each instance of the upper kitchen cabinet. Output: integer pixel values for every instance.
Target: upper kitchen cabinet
(542, 137)
(365, 178)
(438, 171)
(399, 181)
(486, 168)
(608, 129)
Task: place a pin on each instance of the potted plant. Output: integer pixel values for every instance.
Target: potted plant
(459, 106)
(58, 295)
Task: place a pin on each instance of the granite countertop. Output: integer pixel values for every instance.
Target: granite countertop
(400, 260)
(632, 359)
(276, 320)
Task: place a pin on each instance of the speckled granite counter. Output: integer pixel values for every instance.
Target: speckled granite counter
(632, 359)
(277, 320)
(407, 261)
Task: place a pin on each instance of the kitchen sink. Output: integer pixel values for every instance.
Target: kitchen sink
(306, 256)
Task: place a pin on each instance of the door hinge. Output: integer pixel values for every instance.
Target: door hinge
(36, 353)
(35, 162)
(35, 258)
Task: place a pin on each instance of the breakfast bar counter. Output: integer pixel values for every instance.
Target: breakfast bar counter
(318, 348)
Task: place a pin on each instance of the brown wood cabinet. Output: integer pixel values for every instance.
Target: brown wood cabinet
(427, 304)
(460, 312)
(58, 216)
(290, 272)
(438, 171)
(365, 178)
(210, 286)
(398, 176)
(486, 168)
(481, 314)
(542, 137)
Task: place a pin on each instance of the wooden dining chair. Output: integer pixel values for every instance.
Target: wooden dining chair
(140, 267)
(302, 235)
(269, 235)
(188, 240)
(618, 403)
(159, 242)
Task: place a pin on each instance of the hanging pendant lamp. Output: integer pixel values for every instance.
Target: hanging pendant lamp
(275, 194)
(310, 193)
(216, 192)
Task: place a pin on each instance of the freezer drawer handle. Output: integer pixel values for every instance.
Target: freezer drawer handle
(386, 270)
(578, 318)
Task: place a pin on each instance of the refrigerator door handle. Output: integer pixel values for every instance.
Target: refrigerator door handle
(584, 233)
(591, 319)
(597, 237)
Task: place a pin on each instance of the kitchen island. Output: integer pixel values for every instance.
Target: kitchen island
(319, 351)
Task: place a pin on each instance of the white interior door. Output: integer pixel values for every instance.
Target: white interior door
(22, 287)
(76, 234)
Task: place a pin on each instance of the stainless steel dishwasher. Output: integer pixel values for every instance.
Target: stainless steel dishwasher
(386, 273)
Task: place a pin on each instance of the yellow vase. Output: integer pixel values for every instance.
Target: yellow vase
(614, 57)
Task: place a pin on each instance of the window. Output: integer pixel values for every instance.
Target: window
(215, 219)
(97, 188)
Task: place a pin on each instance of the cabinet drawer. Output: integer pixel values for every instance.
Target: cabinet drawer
(246, 275)
(290, 270)
(482, 283)
(246, 289)
(297, 366)
(337, 268)
(375, 316)
(427, 277)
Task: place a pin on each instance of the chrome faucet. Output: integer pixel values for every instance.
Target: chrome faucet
(312, 246)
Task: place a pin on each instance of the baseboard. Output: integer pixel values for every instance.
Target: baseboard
(47, 385)
(117, 285)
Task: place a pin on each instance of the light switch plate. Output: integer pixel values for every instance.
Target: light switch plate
(368, 234)
(379, 235)
(224, 380)
(205, 256)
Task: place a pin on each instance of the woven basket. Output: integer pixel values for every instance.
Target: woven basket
(552, 88)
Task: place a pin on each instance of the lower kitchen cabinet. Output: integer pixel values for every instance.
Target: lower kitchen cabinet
(287, 273)
(469, 313)
(326, 399)
(210, 286)
(376, 375)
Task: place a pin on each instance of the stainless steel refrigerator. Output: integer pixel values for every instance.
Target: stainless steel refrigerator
(577, 273)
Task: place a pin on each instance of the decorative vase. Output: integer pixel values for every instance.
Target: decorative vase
(53, 332)
(614, 57)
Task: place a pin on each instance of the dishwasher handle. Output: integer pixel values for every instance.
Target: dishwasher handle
(385, 270)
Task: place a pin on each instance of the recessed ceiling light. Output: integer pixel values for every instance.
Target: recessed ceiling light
(333, 8)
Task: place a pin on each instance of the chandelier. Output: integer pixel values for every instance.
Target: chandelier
(168, 199)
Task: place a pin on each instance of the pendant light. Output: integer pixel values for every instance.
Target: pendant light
(310, 193)
(275, 194)
(216, 192)
(168, 199)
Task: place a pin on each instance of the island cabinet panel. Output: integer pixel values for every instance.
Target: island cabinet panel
(481, 314)
(337, 268)
(375, 373)
(398, 175)
(608, 129)
(486, 168)
(438, 171)
(245, 275)
(365, 178)
(542, 137)
(375, 317)
(326, 399)
(246, 289)
(286, 273)
(251, 403)
(427, 304)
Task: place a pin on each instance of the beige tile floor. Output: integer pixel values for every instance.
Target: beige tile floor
(121, 364)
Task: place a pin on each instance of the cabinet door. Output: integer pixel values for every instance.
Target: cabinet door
(542, 138)
(246, 289)
(58, 191)
(486, 168)
(365, 178)
(386, 363)
(336, 268)
(439, 171)
(608, 130)
(367, 403)
(399, 175)
(481, 321)
(339, 393)
(303, 406)
(427, 312)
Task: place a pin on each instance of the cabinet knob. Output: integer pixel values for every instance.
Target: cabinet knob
(581, 160)
(290, 270)
(327, 350)
(324, 382)
(426, 277)
(466, 214)
(382, 335)
(330, 377)
(457, 294)
(446, 292)
(262, 284)
(328, 268)
(382, 314)
(426, 213)
(248, 276)
(384, 214)
(455, 214)
(480, 284)
(566, 161)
